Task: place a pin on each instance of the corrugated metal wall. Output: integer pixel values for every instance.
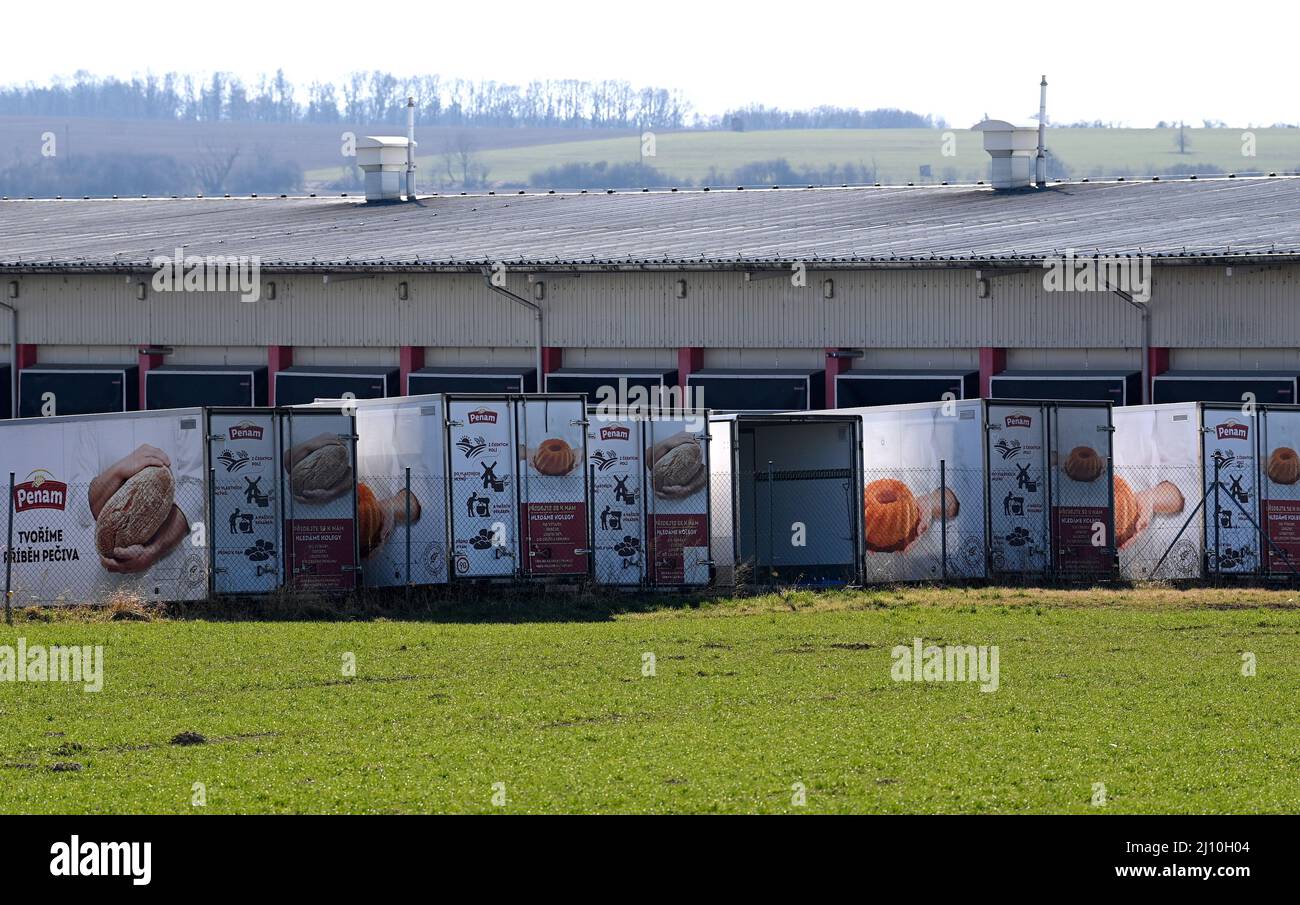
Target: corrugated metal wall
(1199, 307)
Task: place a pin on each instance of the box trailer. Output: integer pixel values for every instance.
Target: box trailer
(1214, 490)
(613, 386)
(72, 389)
(246, 535)
(444, 379)
(518, 489)
(902, 386)
(105, 506)
(215, 386)
(1239, 387)
(299, 385)
(972, 488)
(749, 390)
(785, 498)
(1115, 387)
(317, 454)
(649, 479)
(401, 489)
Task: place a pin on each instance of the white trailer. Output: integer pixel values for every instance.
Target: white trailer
(649, 498)
(1216, 489)
(974, 488)
(785, 498)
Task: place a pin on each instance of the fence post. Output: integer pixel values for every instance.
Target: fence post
(943, 519)
(408, 533)
(9, 556)
(1217, 548)
(771, 524)
(211, 528)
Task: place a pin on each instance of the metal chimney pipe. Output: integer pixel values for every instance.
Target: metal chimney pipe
(1041, 163)
(410, 149)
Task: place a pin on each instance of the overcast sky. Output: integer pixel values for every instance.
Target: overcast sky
(1132, 62)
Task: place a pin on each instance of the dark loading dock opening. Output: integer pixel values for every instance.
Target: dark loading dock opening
(590, 381)
(1268, 387)
(78, 390)
(1117, 387)
(300, 385)
(7, 403)
(903, 386)
(432, 380)
(190, 386)
(778, 390)
(798, 499)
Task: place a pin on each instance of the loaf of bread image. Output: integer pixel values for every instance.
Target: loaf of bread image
(1134, 511)
(377, 518)
(320, 469)
(554, 457)
(135, 512)
(676, 467)
(896, 518)
(1283, 466)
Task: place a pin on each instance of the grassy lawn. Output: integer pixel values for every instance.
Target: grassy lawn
(1139, 690)
(896, 153)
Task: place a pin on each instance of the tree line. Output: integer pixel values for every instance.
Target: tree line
(380, 97)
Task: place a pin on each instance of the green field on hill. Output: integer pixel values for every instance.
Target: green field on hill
(751, 700)
(895, 154)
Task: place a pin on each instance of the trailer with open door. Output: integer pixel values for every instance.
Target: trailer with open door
(785, 498)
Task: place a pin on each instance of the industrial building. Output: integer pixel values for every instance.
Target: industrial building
(767, 298)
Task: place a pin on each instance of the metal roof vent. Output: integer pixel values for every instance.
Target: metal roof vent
(1013, 149)
(383, 159)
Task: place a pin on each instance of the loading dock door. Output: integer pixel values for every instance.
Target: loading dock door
(429, 381)
(902, 388)
(1272, 390)
(172, 387)
(301, 386)
(758, 391)
(45, 390)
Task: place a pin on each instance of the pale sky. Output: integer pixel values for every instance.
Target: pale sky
(1130, 62)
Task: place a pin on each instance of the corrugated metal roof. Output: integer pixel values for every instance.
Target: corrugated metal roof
(851, 227)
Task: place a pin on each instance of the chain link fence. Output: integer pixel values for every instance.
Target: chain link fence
(83, 543)
(924, 524)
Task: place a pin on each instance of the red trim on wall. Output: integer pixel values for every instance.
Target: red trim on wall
(277, 359)
(993, 360)
(26, 355)
(689, 360)
(552, 360)
(147, 363)
(834, 366)
(410, 358)
(1157, 363)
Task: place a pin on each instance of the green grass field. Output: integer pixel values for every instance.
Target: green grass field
(895, 153)
(1139, 690)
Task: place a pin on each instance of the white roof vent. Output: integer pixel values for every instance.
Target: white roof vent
(1013, 149)
(383, 159)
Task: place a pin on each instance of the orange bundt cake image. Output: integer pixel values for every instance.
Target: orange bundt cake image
(1283, 466)
(554, 457)
(1126, 511)
(895, 517)
(1083, 464)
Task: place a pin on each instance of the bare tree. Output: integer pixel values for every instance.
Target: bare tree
(212, 166)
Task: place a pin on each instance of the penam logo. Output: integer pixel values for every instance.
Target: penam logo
(1019, 419)
(246, 430)
(483, 416)
(1232, 430)
(40, 491)
(615, 432)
